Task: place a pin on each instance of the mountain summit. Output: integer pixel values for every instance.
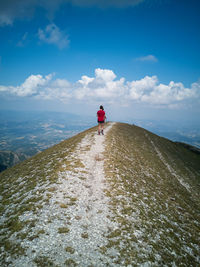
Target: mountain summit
(128, 198)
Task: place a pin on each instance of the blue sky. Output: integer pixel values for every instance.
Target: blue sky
(139, 57)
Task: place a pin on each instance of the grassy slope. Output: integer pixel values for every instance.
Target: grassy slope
(159, 217)
(23, 188)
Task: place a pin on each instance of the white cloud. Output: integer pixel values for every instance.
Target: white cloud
(149, 90)
(105, 87)
(58, 89)
(102, 86)
(53, 35)
(105, 75)
(148, 58)
(168, 94)
(32, 85)
(5, 88)
(137, 88)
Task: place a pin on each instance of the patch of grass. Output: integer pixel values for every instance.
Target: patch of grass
(32, 223)
(103, 250)
(43, 261)
(52, 189)
(14, 224)
(81, 177)
(41, 232)
(63, 230)
(13, 248)
(73, 199)
(64, 206)
(32, 237)
(70, 250)
(114, 233)
(84, 235)
(99, 211)
(34, 199)
(78, 218)
(23, 235)
(70, 263)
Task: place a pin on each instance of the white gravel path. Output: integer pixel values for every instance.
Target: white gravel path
(92, 206)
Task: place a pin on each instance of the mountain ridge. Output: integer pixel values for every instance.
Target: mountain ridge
(145, 209)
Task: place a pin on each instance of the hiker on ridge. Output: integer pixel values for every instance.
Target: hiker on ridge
(101, 119)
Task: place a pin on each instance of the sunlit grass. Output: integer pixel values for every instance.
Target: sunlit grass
(150, 205)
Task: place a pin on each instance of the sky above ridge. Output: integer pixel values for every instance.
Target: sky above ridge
(139, 58)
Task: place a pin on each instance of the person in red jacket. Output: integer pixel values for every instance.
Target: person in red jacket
(101, 115)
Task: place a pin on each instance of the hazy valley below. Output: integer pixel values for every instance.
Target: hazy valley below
(24, 134)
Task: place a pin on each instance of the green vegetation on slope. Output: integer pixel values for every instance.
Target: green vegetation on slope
(154, 190)
(29, 186)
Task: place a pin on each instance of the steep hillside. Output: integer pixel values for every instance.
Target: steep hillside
(155, 196)
(127, 198)
(9, 159)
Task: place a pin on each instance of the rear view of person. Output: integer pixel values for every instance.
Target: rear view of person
(101, 115)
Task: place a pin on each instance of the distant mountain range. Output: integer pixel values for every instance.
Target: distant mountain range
(143, 210)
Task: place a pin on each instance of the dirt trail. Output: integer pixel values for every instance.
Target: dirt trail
(87, 234)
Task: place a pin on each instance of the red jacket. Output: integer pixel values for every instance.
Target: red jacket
(101, 115)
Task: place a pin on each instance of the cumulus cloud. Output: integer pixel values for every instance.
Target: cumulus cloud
(102, 86)
(14, 9)
(105, 86)
(149, 90)
(139, 88)
(31, 86)
(53, 35)
(58, 89)
(148, 58)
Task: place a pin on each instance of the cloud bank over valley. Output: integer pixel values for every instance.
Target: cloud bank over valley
(106, 87)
